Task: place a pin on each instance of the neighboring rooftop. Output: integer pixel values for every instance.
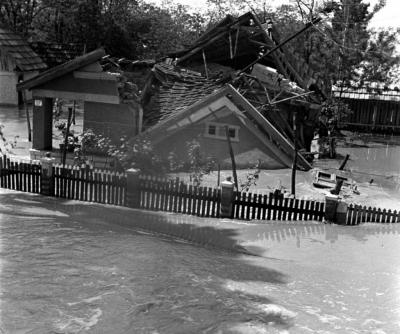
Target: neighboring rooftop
(18, 49)
(370, 92)
(54, 54)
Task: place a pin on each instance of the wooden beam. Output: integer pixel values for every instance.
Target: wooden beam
(102, 98)
(201, 47)
(291, 98)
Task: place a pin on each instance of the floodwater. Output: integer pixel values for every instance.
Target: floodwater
(65, 271)
(15, 129)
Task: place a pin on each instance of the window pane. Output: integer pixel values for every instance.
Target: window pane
(212, 129)
(232, 132)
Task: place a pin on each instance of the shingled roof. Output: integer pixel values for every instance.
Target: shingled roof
(54, 54)
(176, 89)
(18, 49)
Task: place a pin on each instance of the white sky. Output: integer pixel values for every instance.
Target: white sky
(389, 16)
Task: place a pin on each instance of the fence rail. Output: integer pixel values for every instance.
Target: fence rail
(85, 184)
(276, 207)
(176, 196)
(161, 194)
(19, 176)
(357, 214)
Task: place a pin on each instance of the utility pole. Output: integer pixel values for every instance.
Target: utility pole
(235, 178)
(64, 153)
(294, 154)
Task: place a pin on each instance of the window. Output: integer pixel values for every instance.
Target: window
(218, 131)
(212, 129)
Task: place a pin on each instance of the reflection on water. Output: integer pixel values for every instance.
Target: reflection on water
(67, 270)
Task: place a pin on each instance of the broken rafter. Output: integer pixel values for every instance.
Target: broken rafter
(203, 45)
(290, 98)
(205, 64)
(260, 84)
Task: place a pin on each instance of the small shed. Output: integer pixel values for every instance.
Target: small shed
(106, 108)
(18, 62)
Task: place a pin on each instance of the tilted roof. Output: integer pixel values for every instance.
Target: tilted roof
(175, 90)
(19, 50)
(237, 42)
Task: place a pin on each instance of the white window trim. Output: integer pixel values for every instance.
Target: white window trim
(220, 131)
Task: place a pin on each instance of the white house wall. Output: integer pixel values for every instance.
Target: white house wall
(8, 90)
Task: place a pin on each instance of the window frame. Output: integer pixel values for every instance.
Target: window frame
(220, 132)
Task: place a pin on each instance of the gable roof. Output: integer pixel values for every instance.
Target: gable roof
(176, 90)
(19, 50)
(280, 146)
(62, 69)
(54, 54)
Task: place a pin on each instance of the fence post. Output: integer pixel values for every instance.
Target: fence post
(133, 188)
(46, 179)
(341, 213)
(227, 198)
(331, 203)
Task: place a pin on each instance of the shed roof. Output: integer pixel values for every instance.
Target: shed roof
(18, 49)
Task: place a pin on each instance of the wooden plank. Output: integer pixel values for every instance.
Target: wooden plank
(19, 176)
(215, 207)
(274, 206)
(198, 201)
(396, 216)
(218, 202)
(12, 169)
(259, 206)
(104, 185)
(203, 201)
(9, 182)
(166, 195)
(190, 200)
(307, 210)
(242, 205)
(296, 209)
(264, 206)
(389, 216)
(279, 209)
(253, 199)
(73, 183)
(185, 194)
(1, 173)
(269, 206)
(286, 210)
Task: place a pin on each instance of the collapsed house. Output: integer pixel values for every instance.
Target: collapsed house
(236, 80)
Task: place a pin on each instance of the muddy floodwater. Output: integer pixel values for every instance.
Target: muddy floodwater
(64, 272)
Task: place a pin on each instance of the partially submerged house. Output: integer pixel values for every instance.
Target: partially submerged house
(110, 107)
(210, 118)
(189, 96)
(18, 62)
